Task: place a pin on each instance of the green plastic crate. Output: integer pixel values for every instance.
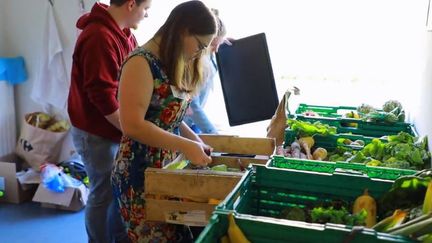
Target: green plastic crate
(259, 230)
(325, 111)
(330, 143)
(333, 116)
(264, 192)
(332, 167)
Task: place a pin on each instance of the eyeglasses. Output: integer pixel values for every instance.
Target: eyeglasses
(201, 46)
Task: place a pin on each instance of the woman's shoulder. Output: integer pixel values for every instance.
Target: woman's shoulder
(142, 51)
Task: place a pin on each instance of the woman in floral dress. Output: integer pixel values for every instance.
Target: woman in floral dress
(157, 83)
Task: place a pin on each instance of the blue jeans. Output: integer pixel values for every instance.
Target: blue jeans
(102, 216)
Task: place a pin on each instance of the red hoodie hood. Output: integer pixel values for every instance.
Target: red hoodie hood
(99, 14)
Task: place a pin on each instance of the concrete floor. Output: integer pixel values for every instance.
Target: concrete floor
(29, 222)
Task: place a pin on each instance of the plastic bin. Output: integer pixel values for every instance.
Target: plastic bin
(330, 142)
(259, 230)
(332, 167)
(266, 191)
(333, 116)
(263, 193)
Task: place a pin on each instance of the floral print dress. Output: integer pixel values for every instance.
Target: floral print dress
(166, 111)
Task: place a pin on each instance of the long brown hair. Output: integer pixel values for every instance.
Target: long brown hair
(193, 18)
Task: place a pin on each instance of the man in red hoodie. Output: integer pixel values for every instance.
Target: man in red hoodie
(105, 41)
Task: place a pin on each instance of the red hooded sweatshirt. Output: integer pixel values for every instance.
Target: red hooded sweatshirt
(99, 53)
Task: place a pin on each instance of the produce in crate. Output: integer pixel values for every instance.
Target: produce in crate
(307, 143)
(338, 215)
(427, 204)
(391, 221)
(335, 212)
(305, 128)
(320, 154)
(294, 213)
(234, 232)
(366, 202)
(225, 239)
(413, 196)
(407, 192)
(353, 115)
(421, 226)
(402, 151)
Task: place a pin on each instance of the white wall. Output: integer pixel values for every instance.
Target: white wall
(24, 37)
(22, 28)
(423, 115)
(2, 29)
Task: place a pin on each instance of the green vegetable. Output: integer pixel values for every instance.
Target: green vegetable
(402, 137)
(396, 164)
(392, 105)
(357, 158)
(365, 109)
(395, 107)
(381, 116)
(305, 129)
(337, 216)
(374, 162)
(294, 213)
(406, 192)
(221, 167)
(375, 149)
(178, 165)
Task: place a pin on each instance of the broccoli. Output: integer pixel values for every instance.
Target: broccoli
(393, 106)
(337, 216)
(397, 164)
(365, 109)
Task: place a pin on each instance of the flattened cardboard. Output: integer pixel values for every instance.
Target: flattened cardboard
(72, 199)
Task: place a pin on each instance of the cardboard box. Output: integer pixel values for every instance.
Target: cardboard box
(184, 196)
(72, 199)
(14, 191)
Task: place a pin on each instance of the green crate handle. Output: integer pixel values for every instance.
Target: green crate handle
(332, 109)
(332, 167)
(228, 202)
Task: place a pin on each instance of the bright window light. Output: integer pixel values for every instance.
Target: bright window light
(338, 52)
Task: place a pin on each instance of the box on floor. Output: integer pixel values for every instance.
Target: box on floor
(20, 186)
(14, 191)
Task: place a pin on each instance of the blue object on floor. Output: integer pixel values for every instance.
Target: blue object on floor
(29, 222)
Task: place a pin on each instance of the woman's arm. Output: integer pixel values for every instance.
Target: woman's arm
(135, 92)
(187, 132)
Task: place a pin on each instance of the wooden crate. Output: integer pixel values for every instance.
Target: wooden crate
(182, 196)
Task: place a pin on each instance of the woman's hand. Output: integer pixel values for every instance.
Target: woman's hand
(198, 153)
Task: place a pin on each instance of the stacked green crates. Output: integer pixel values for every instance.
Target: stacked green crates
(332, 116)
(332, 167)
(262, 194)
(330, 142)
(259, 230)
